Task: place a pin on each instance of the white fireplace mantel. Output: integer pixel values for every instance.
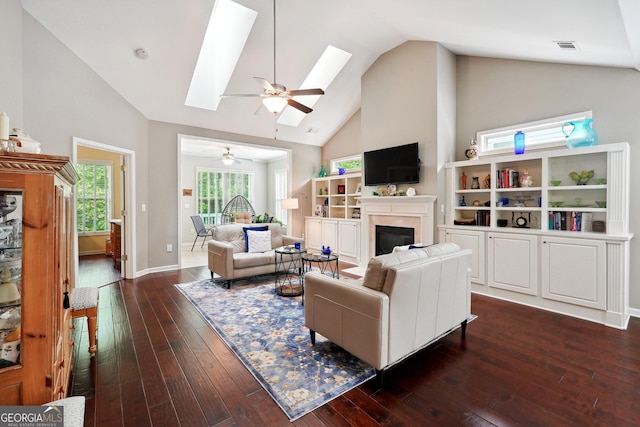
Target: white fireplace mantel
(399, 211)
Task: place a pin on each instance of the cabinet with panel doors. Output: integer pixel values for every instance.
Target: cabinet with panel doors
(542, 215)
(36, 247)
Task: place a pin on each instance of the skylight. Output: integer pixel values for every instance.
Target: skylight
(326, 69)
(226, 35)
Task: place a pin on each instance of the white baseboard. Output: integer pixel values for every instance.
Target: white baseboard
(92, 253)
(634, 312)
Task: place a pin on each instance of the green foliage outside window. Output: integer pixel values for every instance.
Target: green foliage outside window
(93, 195)
(350, 164)
(215, 189)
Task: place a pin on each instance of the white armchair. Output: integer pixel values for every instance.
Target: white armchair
(406, 301)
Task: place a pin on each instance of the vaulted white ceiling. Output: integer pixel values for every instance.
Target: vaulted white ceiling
(105, 34)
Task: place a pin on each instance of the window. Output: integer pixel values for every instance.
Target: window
(216, 187)
(93, 195)
(351, 163)
(540, 134)
(280, 177)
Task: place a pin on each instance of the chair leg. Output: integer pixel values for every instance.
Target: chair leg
(92, 325)
(194, 243)
(313, 337)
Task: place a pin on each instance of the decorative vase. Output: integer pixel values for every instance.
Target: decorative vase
(472, 152)
(581, 135)
(518, 143)
(323, 172)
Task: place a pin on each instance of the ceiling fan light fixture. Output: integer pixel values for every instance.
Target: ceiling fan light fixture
(227, 158)
(275, 104)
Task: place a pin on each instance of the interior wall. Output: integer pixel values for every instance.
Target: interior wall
(162, 210)
(346, 142)
(11, 99)
(495, 92)
(95, 243)
(63, 98)
(400, 106)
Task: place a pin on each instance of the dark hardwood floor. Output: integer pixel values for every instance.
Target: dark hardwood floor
(159, 363)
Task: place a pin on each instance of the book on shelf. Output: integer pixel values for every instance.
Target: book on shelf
(569, 221)
(483, 217)
(507, 178)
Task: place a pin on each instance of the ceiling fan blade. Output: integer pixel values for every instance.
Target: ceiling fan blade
(265, 83)
(240, 95)
(301, 92)
(296, 104)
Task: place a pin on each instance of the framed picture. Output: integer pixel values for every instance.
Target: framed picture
(340, 188)
(359, 189)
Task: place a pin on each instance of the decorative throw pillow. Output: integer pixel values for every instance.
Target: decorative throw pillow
(259, 241)
(245, 229)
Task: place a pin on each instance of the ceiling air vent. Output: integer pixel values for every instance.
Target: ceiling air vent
(567, 45)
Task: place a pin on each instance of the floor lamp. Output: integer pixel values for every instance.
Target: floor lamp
(293, 203)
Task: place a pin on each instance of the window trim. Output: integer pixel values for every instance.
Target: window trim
(552, 124)
(99, 162)
(224, 171)
(334, 163)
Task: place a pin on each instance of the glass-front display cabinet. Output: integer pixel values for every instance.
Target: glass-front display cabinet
(10, 275)
(36, 274)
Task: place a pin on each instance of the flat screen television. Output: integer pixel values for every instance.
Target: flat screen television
(393, 165)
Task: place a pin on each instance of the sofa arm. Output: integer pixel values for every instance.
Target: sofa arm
(348, 314)
(221, 258)
(290, 240)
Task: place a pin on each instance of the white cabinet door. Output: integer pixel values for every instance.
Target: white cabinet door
(313, 236)
(330, 234)
(474, 240)
(349, 238)
(574, 271)
(513, 262)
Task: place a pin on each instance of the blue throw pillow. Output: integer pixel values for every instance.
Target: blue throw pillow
(244, 230)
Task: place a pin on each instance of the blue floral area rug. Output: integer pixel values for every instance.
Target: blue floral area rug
(267, 333)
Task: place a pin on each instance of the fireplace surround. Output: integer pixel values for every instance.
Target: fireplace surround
(415, 212)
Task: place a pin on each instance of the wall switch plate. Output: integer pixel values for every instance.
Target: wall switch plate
(143, 208)
(169, 248)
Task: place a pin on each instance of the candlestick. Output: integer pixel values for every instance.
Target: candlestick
(4, 126)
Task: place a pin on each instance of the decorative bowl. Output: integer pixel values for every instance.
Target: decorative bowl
(555, 204)
(555, 183)
(582, 177)
(601, 204)
(600, 181)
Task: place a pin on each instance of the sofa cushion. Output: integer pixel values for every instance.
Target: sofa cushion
(247, 260)
(376, 273)
(258, 241)
(245, 229)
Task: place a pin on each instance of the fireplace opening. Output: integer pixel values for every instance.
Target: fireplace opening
(388, 237)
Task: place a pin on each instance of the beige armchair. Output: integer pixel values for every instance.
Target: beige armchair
(405, 301)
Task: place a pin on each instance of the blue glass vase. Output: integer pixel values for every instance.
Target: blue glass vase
(581, 134)
(518, 142)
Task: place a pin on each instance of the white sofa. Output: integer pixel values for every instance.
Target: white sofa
(406, 301)
(228, 257)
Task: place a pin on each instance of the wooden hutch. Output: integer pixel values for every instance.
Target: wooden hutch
(36, 247)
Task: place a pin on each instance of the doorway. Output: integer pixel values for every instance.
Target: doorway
(124, 177)
(194, 152)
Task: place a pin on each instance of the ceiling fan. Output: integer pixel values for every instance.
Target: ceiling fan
(229, 158)
(276, 96)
